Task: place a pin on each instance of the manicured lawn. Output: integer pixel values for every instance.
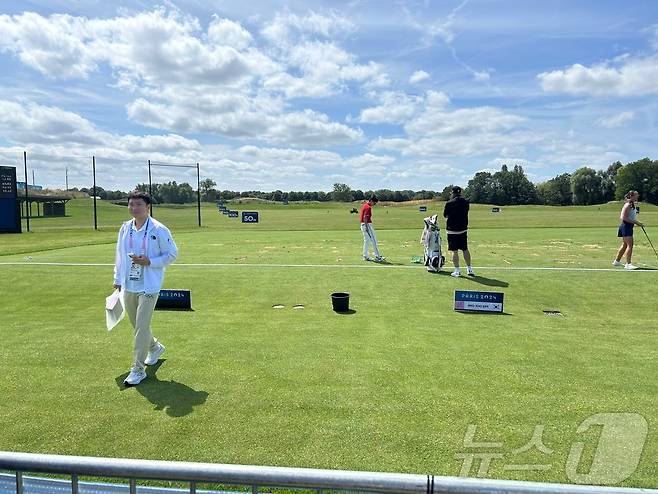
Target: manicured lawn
(393, 386)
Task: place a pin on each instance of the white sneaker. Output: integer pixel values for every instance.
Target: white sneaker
(153, 356)
(470, 272)
(380, 258)
(366, 258)
(616, 263)
(456, 274)
(135, 377)
(630, 266)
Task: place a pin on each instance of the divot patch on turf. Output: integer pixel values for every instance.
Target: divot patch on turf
(278, 306)
(553, 313)
(298, 306)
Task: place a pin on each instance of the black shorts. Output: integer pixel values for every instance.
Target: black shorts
(625, 229)
(457, 241)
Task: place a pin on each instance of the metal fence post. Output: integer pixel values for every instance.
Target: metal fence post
(74, 483)
(19, 482)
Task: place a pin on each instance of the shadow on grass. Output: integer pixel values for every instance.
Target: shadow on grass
(480, 312)
(487, 281)
(175, 398)
(477, 279)
(386, 262)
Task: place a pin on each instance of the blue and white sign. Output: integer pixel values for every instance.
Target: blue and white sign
(475, 301)
(249, 216)
(232, 214)
(422, 209)
(495, 210)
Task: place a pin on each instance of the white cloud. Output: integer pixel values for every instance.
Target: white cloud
(245, 119)
(33, 124)
(395, 107)
(418, 76)
(224, 32)
(190, 81)
(286, 29)
(43, 124)
(324, 70)
(633, 77)
(55, 46)
(616, 121)
(440, 131)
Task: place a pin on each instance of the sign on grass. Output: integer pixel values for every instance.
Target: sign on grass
(249, 216)
(422, 209)
(174, 299)
(475, 301)
(232, 214)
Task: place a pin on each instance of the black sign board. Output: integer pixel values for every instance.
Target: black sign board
(476, 301)
(249, 216)
(10, 214)
(232, 214)
(422, 209)
(495, 210)
(174, 299)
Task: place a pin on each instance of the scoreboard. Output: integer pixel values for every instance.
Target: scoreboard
(10, 214)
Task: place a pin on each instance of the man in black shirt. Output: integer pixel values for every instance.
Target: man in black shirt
(456, 213)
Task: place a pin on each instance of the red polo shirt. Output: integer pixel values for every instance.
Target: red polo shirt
(365, 216)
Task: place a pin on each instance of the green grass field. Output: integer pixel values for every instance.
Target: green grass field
(394, 386)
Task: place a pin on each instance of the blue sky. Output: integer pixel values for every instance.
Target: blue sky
(299, 95)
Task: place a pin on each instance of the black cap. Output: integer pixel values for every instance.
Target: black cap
(457, 190)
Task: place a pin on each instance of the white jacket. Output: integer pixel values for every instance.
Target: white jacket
(160, 249)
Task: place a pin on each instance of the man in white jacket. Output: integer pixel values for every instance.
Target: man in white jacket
(144, 248)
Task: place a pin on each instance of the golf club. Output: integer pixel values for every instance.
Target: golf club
(650, 243)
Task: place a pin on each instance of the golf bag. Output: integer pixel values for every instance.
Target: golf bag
(431, 240)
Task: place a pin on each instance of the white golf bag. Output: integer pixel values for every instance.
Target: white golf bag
(431, 240)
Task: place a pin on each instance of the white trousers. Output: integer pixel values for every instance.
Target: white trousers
(139, 307)
(369, 237)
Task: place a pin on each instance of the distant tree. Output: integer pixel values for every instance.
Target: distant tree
(208, 192)
(384, 194)
(641, 175)
(512, 187)
(358, 195)
(479, 188)
(425, 195)
(586, 186)
(341, 193)
(556, 191)
(446, 193)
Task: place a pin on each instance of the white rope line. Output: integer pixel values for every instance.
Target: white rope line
(348, 266)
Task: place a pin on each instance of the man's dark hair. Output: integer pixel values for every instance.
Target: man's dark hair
(373, 198)
(456, 190)
(138, 194)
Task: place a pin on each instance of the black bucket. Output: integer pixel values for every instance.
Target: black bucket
(340, 301)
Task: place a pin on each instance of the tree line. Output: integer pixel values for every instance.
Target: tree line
(585, 186)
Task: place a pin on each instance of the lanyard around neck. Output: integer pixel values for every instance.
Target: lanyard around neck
(130, 239)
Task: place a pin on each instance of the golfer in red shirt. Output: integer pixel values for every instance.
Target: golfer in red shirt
(365, 217)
